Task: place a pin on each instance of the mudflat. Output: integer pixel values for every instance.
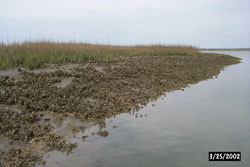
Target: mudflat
(41, 108)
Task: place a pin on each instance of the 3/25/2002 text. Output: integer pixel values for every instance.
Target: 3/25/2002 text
(224, 156)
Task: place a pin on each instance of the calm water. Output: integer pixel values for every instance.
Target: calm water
(179, 130)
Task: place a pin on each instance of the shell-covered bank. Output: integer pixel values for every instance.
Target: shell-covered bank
(40, 109)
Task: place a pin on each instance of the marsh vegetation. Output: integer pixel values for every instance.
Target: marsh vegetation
(36, 54)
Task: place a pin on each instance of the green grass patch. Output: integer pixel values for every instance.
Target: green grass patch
(36, 54)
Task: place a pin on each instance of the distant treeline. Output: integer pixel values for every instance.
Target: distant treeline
(225, 49)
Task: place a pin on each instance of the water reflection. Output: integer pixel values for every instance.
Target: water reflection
(179, 130)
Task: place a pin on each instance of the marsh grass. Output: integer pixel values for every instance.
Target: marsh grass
(36, 54)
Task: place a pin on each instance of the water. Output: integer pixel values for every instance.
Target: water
(179, 130)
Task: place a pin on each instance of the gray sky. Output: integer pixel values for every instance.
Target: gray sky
(202, 23)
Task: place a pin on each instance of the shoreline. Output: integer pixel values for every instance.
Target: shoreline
(225, 49)
(89, 93)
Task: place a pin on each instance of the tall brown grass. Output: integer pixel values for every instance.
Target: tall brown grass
(36, 54)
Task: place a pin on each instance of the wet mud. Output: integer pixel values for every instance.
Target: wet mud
(41, 109)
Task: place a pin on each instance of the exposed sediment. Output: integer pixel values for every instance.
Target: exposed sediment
(89, 92)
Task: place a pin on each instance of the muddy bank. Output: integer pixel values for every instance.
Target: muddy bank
(36, 104)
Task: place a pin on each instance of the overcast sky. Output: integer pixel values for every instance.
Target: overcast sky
(203, 23)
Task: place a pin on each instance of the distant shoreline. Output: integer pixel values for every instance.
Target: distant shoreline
(224, 49)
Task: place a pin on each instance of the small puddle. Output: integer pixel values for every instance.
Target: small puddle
(44, 70)
(64, 82)
(4, 144)
(69, 127)
(13, 73)
(90, 100)
(100, 69)
(63, 126)
(10, 107)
